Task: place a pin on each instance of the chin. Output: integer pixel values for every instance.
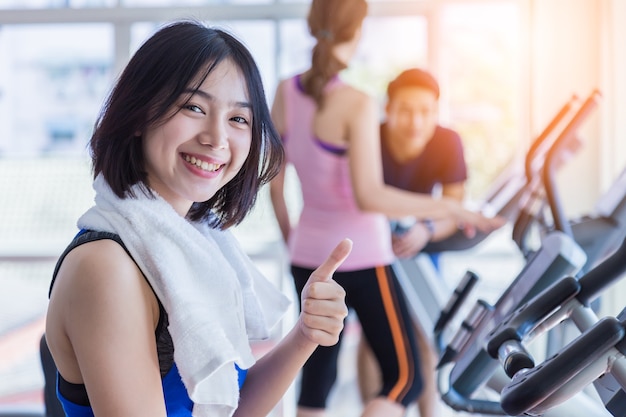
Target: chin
(416, 139)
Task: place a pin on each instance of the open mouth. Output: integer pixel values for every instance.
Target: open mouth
(203, 165)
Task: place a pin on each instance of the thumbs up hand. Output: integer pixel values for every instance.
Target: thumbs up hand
(323, 300)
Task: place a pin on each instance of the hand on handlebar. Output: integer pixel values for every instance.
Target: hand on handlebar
(471, 222)
(411, 242)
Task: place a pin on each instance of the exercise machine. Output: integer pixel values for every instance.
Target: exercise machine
(596, 356)
(426, 292)
(465, 365)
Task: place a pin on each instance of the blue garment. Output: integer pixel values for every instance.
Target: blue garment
(177, 402)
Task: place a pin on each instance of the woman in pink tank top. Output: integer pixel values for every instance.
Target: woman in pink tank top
(331, 135)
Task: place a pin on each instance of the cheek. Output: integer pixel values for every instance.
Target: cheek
(432, 120)
(241, 152)
(156, 151)
(404, 122)
(147, 150)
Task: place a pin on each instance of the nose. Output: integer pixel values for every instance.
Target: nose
(215, 134)
(417, 119)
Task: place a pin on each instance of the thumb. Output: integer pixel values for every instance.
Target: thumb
(469, 230)
(325, 271)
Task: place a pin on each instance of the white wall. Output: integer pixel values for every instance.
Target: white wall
(577, 45)
(615, 12)
(565, 60)
(614, 152)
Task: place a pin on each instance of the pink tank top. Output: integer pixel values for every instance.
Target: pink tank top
(329, 211)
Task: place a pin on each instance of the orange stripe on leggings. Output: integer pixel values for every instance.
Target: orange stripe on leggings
(396, 333)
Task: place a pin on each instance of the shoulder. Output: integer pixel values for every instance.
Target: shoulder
(101, 276)
(100, 257)
(101, 325)
(279, 106)
(352, 101)
(447, 134)
(351, 93)
(447, 139)
(284, 83)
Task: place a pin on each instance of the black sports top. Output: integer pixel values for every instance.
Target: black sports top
(77, 393)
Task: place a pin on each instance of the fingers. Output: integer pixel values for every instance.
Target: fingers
(322, 290)
(498, 221)
(492, 223)
(324, 331)
(478, 222)
(411, 242)
(323, 311)
(325, 271)
(323, 300)
(469, 230)
(324, 308)
(402, 253)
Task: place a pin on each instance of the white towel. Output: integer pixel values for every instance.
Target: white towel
(215, 297)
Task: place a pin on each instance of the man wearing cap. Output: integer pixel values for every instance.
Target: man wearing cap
(419, 155)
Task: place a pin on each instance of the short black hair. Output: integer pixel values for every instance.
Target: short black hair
(413, 77)
(177, 57)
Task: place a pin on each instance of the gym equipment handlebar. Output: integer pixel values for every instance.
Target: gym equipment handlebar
(529, 389)
(530, 315)
(552, 161)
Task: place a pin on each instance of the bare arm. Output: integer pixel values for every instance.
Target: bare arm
(447, 227)
(372, 194)
(100, 329)
(454, 190)
(277, 185)
(277, 196)
(370, 191)
(417, 237)
(320, 322)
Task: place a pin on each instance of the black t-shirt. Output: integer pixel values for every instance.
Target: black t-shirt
(441, 162)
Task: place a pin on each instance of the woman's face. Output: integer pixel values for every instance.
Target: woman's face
(195, 152)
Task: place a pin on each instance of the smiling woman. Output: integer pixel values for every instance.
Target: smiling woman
(179, 152)
(504, 67)
(212, 128)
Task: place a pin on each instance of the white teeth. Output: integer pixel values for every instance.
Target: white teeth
(205, 166)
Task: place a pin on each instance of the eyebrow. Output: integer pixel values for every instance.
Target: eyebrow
(207, 96)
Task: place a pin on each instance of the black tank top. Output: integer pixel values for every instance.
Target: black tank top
(77, 393)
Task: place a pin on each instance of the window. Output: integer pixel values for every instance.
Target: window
(378, 59)
(480, 73)
(179, 3)
(52, 89)
(52, 4)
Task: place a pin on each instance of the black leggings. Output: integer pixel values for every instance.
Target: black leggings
(377, 299)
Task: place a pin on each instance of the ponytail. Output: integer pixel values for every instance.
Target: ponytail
(331, 22)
